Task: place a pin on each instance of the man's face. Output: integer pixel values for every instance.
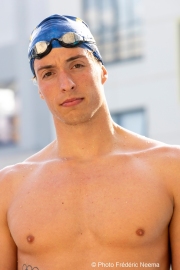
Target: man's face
(71, 82)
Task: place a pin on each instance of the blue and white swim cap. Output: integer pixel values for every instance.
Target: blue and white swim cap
(58, 31)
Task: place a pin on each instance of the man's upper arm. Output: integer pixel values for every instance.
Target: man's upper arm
(174, 228)
(8, 252)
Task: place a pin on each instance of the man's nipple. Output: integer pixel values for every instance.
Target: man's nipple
(30, 238)
(140, 232)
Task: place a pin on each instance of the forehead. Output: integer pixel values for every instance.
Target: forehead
(62, 55)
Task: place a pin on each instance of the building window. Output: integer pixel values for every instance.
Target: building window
(116, 26)
(134, 120)
(8, 117)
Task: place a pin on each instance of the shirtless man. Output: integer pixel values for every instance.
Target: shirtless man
(98, 196)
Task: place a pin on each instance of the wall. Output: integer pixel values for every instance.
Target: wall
(151, 82)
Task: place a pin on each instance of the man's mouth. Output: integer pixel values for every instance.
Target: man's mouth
(71, 102)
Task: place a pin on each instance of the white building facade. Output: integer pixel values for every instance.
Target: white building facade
(140, 44)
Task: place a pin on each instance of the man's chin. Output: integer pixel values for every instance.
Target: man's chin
(76, 120)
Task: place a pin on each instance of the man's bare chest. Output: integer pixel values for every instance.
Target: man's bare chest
(117, 205)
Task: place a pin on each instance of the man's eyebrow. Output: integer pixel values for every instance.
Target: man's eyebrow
(75, 57)
(67, 60)
(45, 67)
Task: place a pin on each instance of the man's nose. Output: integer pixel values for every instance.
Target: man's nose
(66, 82)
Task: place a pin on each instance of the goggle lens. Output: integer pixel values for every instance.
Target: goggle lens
(71, 38)
(68, 40)
(41, 47)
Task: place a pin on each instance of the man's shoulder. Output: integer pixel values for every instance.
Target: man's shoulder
(144, 144)
(160, 152)
(165, 153)
(18, 171)
(169, 156)
(10, 175)
(163, 161)
(155, 153)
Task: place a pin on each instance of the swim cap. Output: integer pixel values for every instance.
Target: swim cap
(53, 28)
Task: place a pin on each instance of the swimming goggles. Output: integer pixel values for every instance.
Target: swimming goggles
(68, 40)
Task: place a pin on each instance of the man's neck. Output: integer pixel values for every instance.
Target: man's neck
(85, 140)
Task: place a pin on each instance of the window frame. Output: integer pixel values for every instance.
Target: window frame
(113, 52)
(120, 115)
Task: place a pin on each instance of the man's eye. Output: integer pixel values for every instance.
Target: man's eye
(47, 74)
(77, 66)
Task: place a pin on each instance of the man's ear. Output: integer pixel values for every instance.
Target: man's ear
(104, 74)
(40, 94)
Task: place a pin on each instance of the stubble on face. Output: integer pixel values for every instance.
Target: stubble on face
(88, 86)
(93, 92)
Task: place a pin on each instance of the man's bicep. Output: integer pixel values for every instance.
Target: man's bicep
(8, 252)
(174, 231)
(174, 228)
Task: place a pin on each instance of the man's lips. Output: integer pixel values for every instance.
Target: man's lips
(71, 102)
